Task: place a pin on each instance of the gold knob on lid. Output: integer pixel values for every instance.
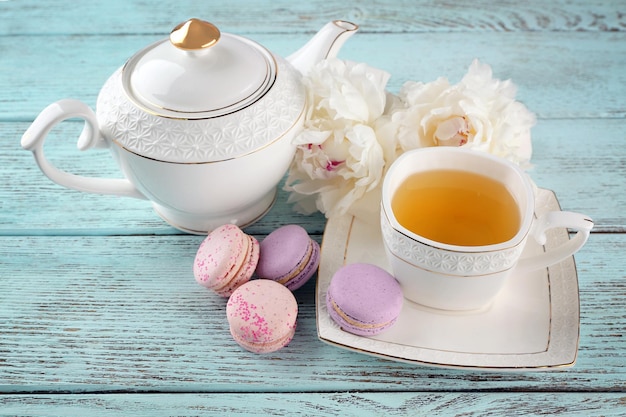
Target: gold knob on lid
(194, 34)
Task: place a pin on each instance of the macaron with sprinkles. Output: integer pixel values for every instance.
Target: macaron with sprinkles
(288, 256)
(262, 315)
(364, 299)
(226, 259)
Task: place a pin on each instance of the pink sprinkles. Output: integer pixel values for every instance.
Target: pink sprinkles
(211, 270)
(262, 313)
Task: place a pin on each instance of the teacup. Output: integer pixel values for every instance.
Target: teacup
(467, 276)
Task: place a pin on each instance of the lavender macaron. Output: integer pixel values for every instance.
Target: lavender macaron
(289, 256)
(364, 299)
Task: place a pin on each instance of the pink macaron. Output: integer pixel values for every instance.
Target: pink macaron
(288, 256)
(364, 299)
(226, 259)
(262, 315)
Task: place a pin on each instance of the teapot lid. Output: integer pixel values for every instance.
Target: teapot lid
(199, 73)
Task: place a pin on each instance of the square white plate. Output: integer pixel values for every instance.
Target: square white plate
(532, 325)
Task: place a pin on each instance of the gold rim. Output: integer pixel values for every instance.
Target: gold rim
(204, 232)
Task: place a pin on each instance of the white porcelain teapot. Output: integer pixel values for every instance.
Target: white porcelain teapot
(200, 123)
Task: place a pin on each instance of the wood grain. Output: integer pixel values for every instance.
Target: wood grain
(282, 16)
(123, 313)
(355, 404)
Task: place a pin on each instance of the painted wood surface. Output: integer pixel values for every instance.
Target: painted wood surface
(344, 404)
(99, 313)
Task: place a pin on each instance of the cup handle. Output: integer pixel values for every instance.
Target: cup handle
(575, 221)
(34, 137)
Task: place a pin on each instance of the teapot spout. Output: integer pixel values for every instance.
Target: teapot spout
(325, 44)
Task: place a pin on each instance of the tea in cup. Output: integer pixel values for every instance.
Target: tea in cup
(455, 222)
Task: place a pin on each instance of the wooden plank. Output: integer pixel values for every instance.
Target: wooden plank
(552, 79)
(355, 404)
(31, 204)
(123, 16)
(584, 163)
(124, 313)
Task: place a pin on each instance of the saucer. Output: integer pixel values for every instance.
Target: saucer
(532, 325)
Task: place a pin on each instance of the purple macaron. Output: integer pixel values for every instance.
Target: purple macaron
(364, 299)
(289, 256)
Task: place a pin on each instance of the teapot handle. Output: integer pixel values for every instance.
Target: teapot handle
(34, 137)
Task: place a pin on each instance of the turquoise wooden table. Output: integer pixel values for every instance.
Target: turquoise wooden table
(99, 312)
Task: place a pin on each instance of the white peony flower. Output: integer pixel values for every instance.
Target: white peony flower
(479, 112)
(338, 159)
(354, 130)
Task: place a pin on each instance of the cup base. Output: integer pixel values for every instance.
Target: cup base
(448, 311)
(202, 224)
